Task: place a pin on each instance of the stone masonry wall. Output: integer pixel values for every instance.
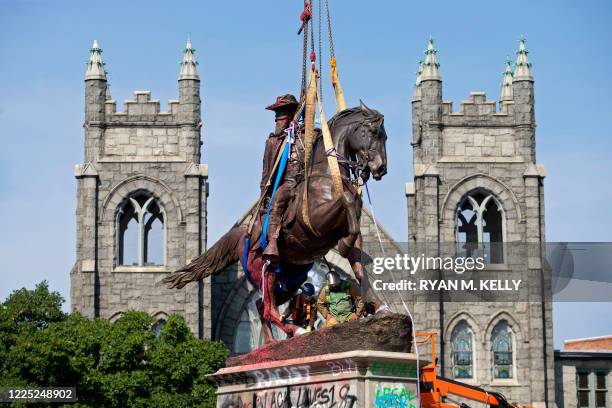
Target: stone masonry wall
(140, 149)
(481, 148)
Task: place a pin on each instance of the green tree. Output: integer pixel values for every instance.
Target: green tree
(25, 312)
(111, 365)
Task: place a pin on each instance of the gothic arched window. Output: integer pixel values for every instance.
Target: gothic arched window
(462, 340)
(248, 335)
(158, 326)
(502, 350)
(480, 227)
(141, 232)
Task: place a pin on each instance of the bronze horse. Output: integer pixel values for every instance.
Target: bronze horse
(359, 138)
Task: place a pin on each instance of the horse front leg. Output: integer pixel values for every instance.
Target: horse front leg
(347, 243)
(350, 248)
(265, 324)
(355, 259)
(270, 311)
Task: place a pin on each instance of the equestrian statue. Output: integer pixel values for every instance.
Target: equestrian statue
(300, 216)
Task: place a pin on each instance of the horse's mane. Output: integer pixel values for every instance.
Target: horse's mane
(371, 114)
(343, 114)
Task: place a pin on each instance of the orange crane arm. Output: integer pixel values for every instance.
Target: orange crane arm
(442, 387)
(434, 388)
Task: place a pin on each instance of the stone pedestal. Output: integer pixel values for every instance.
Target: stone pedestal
(353, 379)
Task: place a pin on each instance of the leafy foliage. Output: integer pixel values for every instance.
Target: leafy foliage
(111, 365)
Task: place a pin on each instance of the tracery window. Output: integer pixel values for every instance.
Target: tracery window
(462, 340)
(502, 350)
(141, 231)
(480, 227)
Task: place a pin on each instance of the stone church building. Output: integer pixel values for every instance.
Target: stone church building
(141, 213)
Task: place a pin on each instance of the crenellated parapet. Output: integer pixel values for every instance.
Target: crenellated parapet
(142, 132)
(442, 133)
(142, 109)
(478, 110)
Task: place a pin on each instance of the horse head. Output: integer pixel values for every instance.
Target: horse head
(369, 142)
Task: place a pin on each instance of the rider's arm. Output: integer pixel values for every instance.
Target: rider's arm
(267, 163)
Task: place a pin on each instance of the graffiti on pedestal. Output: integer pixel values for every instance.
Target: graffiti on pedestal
(345, 366)
(395, 395)
(330, 395)
(280, 376)
(393, 369)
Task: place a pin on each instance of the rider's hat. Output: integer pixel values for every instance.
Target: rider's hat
(284, 103)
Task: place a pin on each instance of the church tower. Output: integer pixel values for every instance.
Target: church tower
(478, 190)
(141, 201)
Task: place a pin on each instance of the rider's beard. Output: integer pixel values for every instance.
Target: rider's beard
(282, 123)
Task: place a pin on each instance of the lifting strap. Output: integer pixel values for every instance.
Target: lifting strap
(340, 102)
(309, 119)
(339, 94)
(330, 151)
(313, 98)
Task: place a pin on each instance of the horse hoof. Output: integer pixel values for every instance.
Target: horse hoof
(300, 331)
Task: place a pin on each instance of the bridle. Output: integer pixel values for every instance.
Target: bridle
(359, 166)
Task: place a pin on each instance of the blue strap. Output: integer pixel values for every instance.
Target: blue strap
(279, 175)
(245, 258)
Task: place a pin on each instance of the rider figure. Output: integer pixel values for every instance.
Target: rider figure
(284, 108)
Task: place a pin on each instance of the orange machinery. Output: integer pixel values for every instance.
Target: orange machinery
(434, 389)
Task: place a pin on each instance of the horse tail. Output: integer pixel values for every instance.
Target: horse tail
(222, 254)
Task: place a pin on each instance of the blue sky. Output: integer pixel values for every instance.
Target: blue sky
(249, 52)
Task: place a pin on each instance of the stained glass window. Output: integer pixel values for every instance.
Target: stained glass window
(501, 344)
(462, 351)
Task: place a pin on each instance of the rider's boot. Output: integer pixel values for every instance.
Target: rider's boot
(271, 251)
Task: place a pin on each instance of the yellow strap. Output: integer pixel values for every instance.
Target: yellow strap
(311, 100)
(311, 96)
(332, 160)
(340, 102)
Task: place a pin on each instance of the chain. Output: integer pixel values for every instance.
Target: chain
(304, 58)
(312, 41)
(320, 52)
(329, 30)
